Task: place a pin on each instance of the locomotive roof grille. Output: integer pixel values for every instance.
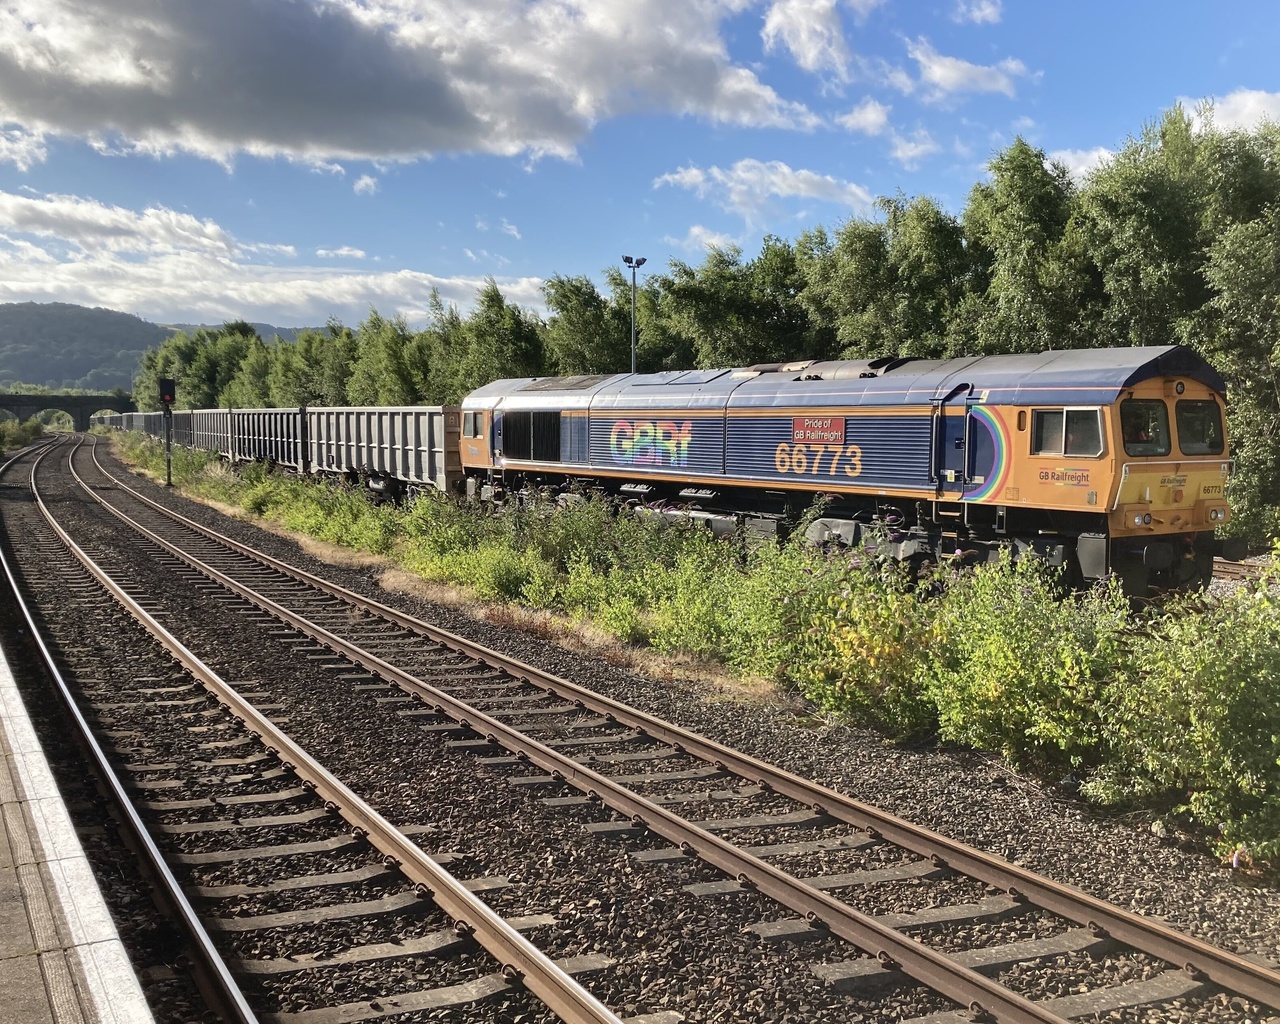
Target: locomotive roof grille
(579, 382)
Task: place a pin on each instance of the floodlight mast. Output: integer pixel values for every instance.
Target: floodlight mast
(635, 264)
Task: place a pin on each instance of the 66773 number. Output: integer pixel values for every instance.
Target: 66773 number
(811, 458)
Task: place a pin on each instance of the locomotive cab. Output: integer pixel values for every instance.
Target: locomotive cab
(1169, 493)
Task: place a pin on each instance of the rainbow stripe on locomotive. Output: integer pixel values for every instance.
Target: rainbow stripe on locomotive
(1102, 460)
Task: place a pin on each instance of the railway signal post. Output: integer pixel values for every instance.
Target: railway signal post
(168, 391)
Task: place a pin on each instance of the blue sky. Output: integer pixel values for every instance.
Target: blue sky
(291, 160)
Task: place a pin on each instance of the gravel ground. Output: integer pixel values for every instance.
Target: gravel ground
(967, 796)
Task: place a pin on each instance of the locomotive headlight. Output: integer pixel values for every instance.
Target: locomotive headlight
(1179, 387)
(1146, 520)
(1137, 519)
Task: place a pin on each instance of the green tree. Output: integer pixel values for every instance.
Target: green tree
(887, 287)
(1028, 253)
(1141, 224)
(380, 375)
(501, 340)
(659, 344)
(1244, 270)
(586, 332)
(736, 312)
(443, 346)
(249, 387)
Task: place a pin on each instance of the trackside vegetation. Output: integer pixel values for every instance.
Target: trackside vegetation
(1175, 708)
(17, 435)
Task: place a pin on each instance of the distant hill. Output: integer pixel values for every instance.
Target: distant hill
(60, 345)
(265, 331)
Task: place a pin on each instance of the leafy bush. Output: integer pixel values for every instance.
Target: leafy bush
(866, 641)
(18, 435)
(691, 614)
(584, 590)
(1197, 716)
(257, 499)
(442, 524)
(1016, 666)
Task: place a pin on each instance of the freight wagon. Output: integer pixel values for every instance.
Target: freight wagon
(394, 450)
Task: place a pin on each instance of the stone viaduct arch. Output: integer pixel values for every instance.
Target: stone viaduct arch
(81, 407)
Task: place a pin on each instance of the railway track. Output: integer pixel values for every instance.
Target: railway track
(664, 793)
(1228, 570)
(222, 785)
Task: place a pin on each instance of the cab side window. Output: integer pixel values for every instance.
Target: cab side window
(470, 424)
(1084, 432)
(1075, 432)
(1046, 432)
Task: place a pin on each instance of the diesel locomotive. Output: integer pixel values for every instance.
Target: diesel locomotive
(1099, 460)
(1103, 460)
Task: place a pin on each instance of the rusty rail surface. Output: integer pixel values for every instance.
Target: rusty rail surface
(519, 957)
(966, 987)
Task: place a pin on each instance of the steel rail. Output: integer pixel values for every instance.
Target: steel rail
(1225, 569)
(212, 975)
(985, 998)
(1194, 956)
(521, 960)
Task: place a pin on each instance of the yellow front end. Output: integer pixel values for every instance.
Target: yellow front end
(1170, 489)
(1171, 497)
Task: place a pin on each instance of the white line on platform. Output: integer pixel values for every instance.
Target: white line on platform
(84, 931)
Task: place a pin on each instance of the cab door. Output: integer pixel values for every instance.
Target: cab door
(950, 435)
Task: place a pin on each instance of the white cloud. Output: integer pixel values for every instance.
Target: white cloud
(345, 252)
(813, 32)
(24, 149)
(93, 227)
(1080, 162)
(270, 248)
(1244, 108)
(23, 251)
(980, 12)
(510, 229)
(910, 150)
(946, 76)
(469, 254)
(747, 186)
(869, 117)
(174, 267)
(699, 239)
(401, 79)
(366, 185)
